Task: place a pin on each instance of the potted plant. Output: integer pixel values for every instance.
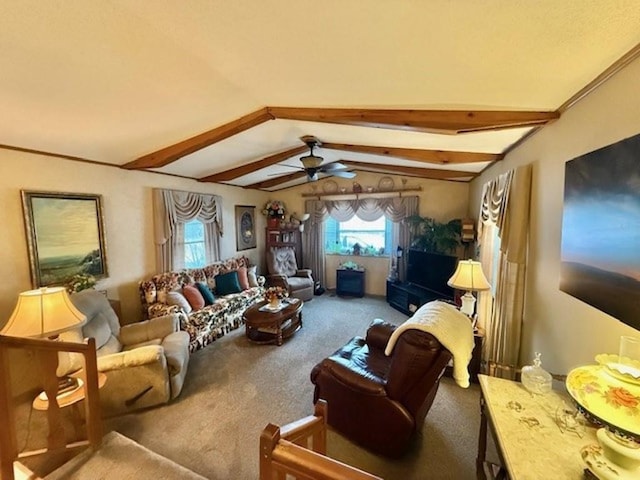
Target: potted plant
(430, 235)
(274, 210)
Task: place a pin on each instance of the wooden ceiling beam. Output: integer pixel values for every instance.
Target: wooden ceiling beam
(170, 154)
(265, 162)
(434, 173)
(439, 157)
(434, 121)
(277, 180)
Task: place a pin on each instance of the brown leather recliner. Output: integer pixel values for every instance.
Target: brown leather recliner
(284, 272)
(379, 401)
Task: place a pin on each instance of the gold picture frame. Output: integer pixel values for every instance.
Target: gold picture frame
(65, 236)
(245, 227)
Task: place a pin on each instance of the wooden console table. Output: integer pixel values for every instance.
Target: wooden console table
(529, 441)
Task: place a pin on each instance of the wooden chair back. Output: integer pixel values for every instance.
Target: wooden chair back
(298, 451)
(46, 355)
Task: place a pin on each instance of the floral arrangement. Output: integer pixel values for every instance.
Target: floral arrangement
(274, 209)
(79, 282)
(275, 293)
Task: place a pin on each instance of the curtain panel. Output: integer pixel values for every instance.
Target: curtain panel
(506, 207)
(172, 209)
(395, 209)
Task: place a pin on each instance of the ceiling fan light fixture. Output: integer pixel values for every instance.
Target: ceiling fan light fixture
(311, 161)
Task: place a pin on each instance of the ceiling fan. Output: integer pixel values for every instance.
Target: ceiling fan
(312, 164)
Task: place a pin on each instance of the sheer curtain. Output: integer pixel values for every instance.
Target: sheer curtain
(172, 209)
(503, 233)
(395, 209)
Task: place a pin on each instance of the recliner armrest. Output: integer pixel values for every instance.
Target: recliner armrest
(176, 349)
(303, 272)
(132, 358)
(379, 333)
(356, 380)
(156, 328)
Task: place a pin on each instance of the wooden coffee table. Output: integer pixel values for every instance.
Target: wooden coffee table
(272, 327)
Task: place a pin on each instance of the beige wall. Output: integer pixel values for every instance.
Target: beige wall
(566, 330)
(441, 200)
(129, 224)
(128, 220)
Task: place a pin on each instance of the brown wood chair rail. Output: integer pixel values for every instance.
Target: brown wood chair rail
(46, 354)
(298, 450)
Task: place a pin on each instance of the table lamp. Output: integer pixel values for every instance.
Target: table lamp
(45, 313)
(608, 394)
(469, 276)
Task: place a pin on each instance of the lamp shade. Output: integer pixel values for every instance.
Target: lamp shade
(43, 313)
(469, 276)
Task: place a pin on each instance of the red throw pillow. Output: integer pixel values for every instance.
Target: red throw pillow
(193, 296)
(243, 278)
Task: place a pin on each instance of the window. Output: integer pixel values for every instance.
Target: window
(194, 255)
(373, 237)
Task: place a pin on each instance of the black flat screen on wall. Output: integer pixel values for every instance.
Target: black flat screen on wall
(431, 271)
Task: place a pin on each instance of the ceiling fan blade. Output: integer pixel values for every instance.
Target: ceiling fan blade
(282, 173)
(330, 167)
(342, 174)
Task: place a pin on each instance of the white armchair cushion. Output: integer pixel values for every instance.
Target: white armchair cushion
(103, 333)
(156, 328)
(155, 341)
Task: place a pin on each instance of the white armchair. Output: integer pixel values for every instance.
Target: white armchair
(145, 362)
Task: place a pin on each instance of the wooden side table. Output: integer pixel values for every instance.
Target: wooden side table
(69, 399)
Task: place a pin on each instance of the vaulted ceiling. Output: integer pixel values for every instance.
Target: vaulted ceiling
(223, 91)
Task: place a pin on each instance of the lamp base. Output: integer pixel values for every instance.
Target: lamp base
(614, 458)
(468, 304)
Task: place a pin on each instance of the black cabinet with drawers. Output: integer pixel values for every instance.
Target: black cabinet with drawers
(350, 282)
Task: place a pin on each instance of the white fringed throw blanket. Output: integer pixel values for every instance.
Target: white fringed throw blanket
(451, 327)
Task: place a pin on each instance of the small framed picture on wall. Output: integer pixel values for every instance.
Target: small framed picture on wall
(245, 227)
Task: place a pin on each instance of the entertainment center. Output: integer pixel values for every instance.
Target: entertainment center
(427, 275)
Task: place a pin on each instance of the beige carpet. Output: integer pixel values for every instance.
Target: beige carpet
(121, 458)
(234, 388)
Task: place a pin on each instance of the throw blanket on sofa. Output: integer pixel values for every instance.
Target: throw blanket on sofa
(453, 330)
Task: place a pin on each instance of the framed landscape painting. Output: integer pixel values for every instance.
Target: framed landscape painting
(601, 230)
(65, 236)
(245, 227)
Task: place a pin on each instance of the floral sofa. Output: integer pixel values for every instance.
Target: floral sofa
(206, 324)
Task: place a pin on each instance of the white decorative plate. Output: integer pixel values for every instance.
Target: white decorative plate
(330, 186)
(386, 184)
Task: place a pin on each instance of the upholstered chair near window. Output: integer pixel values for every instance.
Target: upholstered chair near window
(145, 362)
(284, 272)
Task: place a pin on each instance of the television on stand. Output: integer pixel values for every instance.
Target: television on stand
(431, 271)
